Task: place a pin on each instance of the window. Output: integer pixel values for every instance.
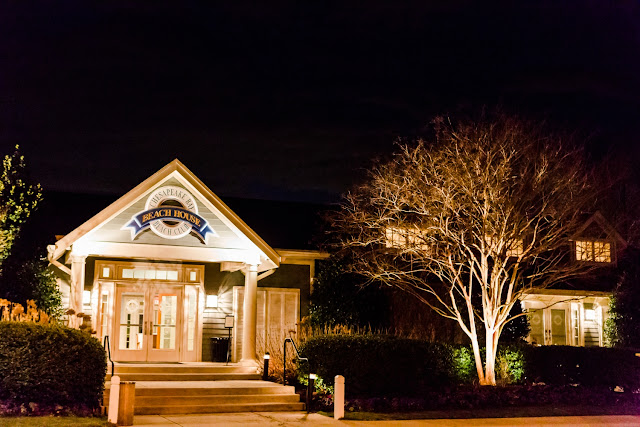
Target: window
(147, 274)
(593, 251)
(515, 248)
(403, 238)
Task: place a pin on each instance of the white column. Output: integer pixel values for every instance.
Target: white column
(249, 313)
(77, 286)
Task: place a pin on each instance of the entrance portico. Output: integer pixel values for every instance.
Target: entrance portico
(143, 265)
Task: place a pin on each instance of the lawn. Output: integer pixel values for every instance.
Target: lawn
(508, 412)
(51, 421)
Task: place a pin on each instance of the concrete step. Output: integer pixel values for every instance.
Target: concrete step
(186, 376)
(198, 397)
(122, 368)
(204, 409)
(173, 400)
(207, 388)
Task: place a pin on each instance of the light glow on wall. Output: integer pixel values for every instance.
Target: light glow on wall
(590, 314)
(212, 301)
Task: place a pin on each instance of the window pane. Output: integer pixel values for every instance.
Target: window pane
(602, 251)
(584, 250)
(161, 274)
(127, 273)
(172, 275)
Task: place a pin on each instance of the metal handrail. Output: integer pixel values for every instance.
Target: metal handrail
(107, 346)
(284, 369)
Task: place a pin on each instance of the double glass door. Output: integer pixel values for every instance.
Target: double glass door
(549, 325)
(148, 322)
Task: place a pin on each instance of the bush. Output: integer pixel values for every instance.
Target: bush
(49, 366)
(380, 365)
(589, 366)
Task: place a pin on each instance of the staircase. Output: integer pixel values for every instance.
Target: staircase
(196, 388)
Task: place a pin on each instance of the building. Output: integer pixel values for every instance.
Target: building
(169, 265)
(574, 313)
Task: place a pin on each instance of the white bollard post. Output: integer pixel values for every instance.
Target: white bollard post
(338, 398)
(114, 399)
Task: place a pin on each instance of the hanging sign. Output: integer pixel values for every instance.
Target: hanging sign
(170, 212)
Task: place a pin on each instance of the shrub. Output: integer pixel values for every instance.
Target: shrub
(589, 366)
(50, 366)
(380, 365)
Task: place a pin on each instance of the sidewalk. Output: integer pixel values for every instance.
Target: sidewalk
(301, 418)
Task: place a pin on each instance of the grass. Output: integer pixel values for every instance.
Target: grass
(51, 421)
(507, 412)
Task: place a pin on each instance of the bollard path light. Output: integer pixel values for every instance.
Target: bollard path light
(265, 370)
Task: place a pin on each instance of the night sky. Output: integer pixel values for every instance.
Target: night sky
(291, 101)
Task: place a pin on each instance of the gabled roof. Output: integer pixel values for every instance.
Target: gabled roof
(601, 221)
(172, 169)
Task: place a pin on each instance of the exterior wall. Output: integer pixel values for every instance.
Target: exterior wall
(292, 276)
(218, 283)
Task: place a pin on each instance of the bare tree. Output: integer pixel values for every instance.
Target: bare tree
(471, 221)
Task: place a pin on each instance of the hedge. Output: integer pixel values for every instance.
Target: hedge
(377, 365)
(590, 366)
(50, 366)
(382, 366)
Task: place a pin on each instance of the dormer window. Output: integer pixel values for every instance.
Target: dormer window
(593, 251)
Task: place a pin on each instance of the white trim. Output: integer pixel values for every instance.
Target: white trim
(162, 252)
(268, 256)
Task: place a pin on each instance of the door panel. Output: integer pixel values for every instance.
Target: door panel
(149, 323)
(130, 327)
(558, 327)
(536, 323)
(165, 324)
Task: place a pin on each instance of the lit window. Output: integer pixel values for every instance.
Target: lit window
(412, 239)
(515, 249)
(594, 251)
(106, 272)
(127, 273)
(193, 276)
(172, 275)
(394, 238)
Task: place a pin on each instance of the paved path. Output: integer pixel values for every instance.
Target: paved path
(301, 418)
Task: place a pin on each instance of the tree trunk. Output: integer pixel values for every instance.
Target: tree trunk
(478, 358)
(490, 359)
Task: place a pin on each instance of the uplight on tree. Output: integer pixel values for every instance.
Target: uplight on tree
(469, 221)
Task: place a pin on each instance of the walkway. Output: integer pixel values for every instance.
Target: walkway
(301, 418)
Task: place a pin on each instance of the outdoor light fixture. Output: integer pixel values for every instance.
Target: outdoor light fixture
(265, 370)
(313, 376)
(212, 301)
(590, 314)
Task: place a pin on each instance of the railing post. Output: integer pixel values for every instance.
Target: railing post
(284, 363)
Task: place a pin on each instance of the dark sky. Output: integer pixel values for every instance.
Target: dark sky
(292, 100)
